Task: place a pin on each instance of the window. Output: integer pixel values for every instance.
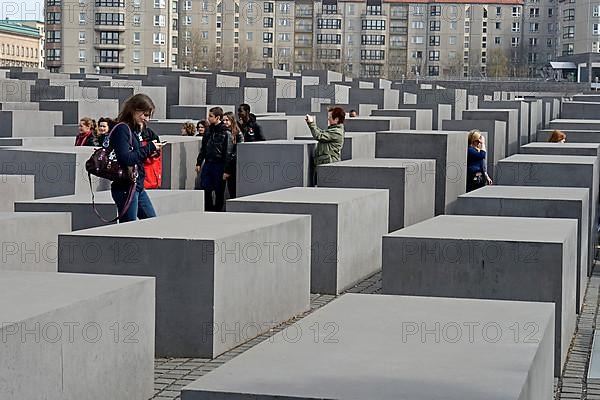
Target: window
(284, 8)
(81, 55)
(175, 24)
(137, 3)
(158, 38)
(160, 20)
(137, 37)
(51, 3)
(497, 40)
(53, 36)
(111, 56)
(330, 8)
(249, 36)
(372, 39)
(533, 42)
(109, 37)
(435, 25)
(417, 10)
(53, 18)
(81, 18)
(418, 25)
(158, 57)
(568, 49)
(551, 27)
(329, 39)
(551, 12)
(435, 11)
(53, 55)
(569, 14)
(268, 7)
(549, 43)
(451, 54)
(374, 9)
(372, 54)
(267, 52)
(82, 37)
(285, 22)
(285, 52)
(516, 12)
(136, 56)
(187, 5)
(329, 23)
(534, 27)
(595, 11)
(416, 39)
(514, 41)
(568, 32)
(516, 27)
(283, 37)
(595, 29)
(498, 11)
(434, 70)
(452, 25)
(267, 37)
(329, 54)
(452, 40)
(534, 12)
(137, 20)
(434, 55)
(110, 3)
(532, 57)
(160, 3)
(351, 9)
(434, 40)
(373, 24)
(187, 20)
(110, 19)
(267, 22)
(371, 70)
(498, 25)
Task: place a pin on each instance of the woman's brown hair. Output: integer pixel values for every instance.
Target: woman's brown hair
(235, 128)
(138, 102)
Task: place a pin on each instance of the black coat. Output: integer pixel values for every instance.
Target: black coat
(217, 147)
(251, 130)
(130, 156)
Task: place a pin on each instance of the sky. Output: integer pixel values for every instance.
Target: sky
(21, 9)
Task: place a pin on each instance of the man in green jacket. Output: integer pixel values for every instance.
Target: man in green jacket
(331, 140)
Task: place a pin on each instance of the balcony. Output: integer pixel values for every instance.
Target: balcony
(398, 45)
(303, 13)
(303, 58)
(108, 28)
(399, 30)
(303, 28)
(110, 44)
(112, 62)
(303, 43)
(399, 15)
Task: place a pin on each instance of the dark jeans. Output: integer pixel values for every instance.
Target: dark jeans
(231, 186)
(141, 206)
(474, 183)
(211, 181)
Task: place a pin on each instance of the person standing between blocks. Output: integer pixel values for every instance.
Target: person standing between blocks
(251, 130)
(331, 140)
(214, 159)
(477, 176)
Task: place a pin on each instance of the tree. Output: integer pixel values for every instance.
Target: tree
(498, 63)
(454, 68)
(198, 53)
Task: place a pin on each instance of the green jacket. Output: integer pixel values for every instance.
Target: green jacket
(331, 141)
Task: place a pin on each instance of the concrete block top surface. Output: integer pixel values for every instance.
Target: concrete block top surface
(367, 332)
(432, 132)
(24, 295)
(529, 192)
(53, 149)
(192, 225)
(549, 159)
(379, 162)
(22, 216)
(281, 141)
(576, 121)
(310, 195)
(102, 197)
(510, 229)
(567, 145)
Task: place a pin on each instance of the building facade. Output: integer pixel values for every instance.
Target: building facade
(20, 44)
(361, 38)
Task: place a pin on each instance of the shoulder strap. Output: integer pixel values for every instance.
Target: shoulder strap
(128, 128)
(130, 194)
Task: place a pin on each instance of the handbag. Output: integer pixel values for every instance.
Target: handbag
(103, 163)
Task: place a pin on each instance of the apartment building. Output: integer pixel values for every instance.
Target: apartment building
(20, 44)
(578, 26)
(540, 36)
(361, 38)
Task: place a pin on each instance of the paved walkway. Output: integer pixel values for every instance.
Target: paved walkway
(171, 375)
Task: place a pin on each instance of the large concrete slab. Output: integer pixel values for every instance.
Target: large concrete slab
(579, 109)
(447, 148)
(573, 135)
(419, 119)
(57, 170)
(555, 171)
(215, 272)
(411, 184)
(511, 118)
(15, 188)
(83, 216)
(29, 241)
(562, 149)
(575, 124)
(29, 123)
(356, 145)
(501, 258)
(273, 165)
(195, 112)
(441, 112)
(179, 161)
(522, 108)
(346, 229)
(495, 133)
(283, 127)
(69, 336)
(415, 348)
(74, 110)
(542, 202)
(375, 124)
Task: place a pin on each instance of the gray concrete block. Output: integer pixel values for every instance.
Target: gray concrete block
(512, 122)
(22, 123)
(346, 230)
(447, 148)
(441, 112)
(83, 216)
(374, 124)
(562, 149)
(216, 273)
(555, 171)
(495, 133)
(169, 126)
(419, 119)
(573, 135)
(273, 165)
(522, 108)
(66, 130)
(15, 188)
(74, 110)
(283, 127)
(58, 171)
(38, 141)
(575, 124)
(411, 184)
(356, 145)
(195, 112)
(72, 336)
(579, 109)
(29, 240)
(423, 340)
(500, 258)
(542, 202)
(179, 161)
